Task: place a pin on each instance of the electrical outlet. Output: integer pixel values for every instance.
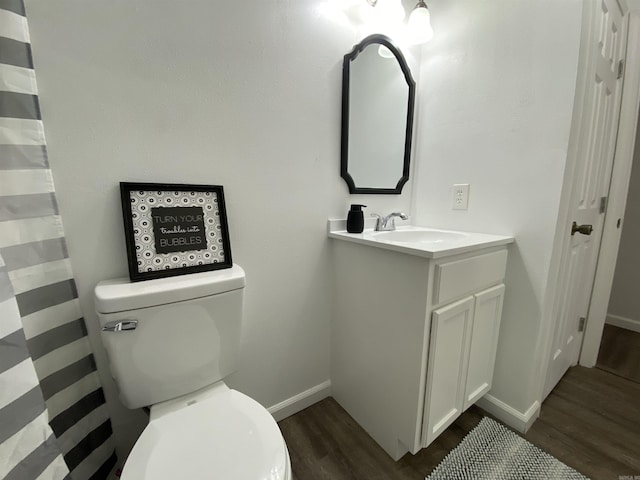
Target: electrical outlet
(461, 196)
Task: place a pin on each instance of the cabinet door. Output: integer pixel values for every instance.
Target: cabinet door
(448, 361)
(484, 342)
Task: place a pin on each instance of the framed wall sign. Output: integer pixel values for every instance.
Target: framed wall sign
(174, 229)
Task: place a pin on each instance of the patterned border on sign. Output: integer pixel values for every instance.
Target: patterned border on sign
(147, 259)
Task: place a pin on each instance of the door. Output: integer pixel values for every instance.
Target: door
(447, 366)
(484, 343)
(595, 130)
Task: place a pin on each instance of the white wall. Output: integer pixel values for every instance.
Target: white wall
(497, 89)
(242, 94)
(624, 302)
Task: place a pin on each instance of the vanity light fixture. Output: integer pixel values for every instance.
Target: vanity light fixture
(388, 11)
(419, 23)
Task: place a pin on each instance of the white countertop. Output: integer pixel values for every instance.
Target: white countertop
(428, 242)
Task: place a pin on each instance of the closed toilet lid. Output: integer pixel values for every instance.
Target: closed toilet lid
(227, 436)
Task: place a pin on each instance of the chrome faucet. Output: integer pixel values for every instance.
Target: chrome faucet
(388, 223)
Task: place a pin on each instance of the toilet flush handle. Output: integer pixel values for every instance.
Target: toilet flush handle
(120, 325)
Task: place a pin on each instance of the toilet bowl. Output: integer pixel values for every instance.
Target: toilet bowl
(216, 433)
(170, 343)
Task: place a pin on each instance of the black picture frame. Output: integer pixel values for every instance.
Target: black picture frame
(174, 229)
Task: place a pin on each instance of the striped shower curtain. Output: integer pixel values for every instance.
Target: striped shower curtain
(28, 448)
(33, 247)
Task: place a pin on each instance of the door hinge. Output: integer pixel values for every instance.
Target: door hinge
(603, 204)
(581, 324)
(620, 69)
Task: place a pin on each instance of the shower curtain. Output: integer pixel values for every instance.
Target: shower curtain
(27, 444)
(37, 269)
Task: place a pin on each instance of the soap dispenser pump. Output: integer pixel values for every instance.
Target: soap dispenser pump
(355, 219)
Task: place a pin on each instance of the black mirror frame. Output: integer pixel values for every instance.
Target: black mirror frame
(344, 157)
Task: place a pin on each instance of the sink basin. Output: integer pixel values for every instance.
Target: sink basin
(428, 242)
(418, 236)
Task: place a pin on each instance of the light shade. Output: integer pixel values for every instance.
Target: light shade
(384, 52)
(419, 24)
(389, 11)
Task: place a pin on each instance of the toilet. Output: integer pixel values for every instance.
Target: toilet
(170, 343)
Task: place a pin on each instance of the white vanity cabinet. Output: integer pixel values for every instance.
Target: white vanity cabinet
(414, 337)
(462, 351)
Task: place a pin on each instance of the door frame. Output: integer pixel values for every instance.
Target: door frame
(616, 204)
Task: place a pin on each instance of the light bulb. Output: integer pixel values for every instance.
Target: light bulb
(366, 13)
(390, 11)
(384, 52)
(420, 24)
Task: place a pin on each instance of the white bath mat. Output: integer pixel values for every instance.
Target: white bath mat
(493, 452)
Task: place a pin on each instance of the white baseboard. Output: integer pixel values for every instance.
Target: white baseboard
(505, 413)
(622, 322)
(302, 400)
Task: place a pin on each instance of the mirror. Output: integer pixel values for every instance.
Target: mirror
(378, 94)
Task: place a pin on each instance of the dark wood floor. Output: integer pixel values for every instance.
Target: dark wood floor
(591, 421)
(620, 352)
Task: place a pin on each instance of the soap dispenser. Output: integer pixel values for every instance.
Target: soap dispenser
(355, 219)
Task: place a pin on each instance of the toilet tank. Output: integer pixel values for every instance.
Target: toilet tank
(184, 332)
